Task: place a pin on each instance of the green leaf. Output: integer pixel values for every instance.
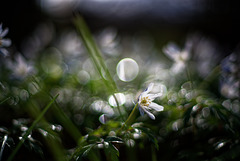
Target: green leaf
(82, 152)
(114, 139)
(97, 58)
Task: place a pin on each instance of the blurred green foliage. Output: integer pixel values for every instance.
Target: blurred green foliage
(200, 120)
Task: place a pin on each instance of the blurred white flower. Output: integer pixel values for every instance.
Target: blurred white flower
(70, 44)
(109, 42)
(180, 57)
(229, 80)
(145, 103)
(3, 41)
(20, 68)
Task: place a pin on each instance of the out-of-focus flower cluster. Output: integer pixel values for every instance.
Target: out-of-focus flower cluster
(180, 80)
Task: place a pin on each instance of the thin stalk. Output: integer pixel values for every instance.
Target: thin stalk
(31, 128)
(96, 57)
(62, 117)
(120, 113)
(4, 100)
(51, 138)
(132, 116)
(3, 145)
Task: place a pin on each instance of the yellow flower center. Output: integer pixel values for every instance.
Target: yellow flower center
(145, 101)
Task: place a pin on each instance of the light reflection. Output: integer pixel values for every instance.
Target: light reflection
(206, 112)
(24, 95)
(83, 77)
(229, 77)
(90, 68)
(78, 101)
(33, 88)
(112, 133)
(65, 94)
(120, 98)
(127, 69)
(137, 134)
(236, 106)
(103, 118)
(177, 125)
(130, 142)
(232, 105)
(43, 132)
(172, 97)
(57, 128)
(220, 145)
(102, 107)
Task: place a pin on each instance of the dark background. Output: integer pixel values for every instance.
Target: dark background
(217, 19)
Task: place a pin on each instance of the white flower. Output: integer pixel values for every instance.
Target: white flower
(21, 68)
(175, 53)
(3, 41)
(145, 103)
(180, 57)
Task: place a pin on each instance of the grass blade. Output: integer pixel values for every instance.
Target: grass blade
(4, 100)
(96, 57)
(3, 145)
(31, 128)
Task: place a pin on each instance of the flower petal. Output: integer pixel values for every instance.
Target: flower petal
(149, 88)
(4, 32)
(153, 96)
(141, 110)
(4, 52)
(172, 51)
(149, 113)
(156, 107)
(6, 42)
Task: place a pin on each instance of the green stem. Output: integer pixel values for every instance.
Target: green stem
(132, 116)
(4, 100)
(118, 107)
(96, 56)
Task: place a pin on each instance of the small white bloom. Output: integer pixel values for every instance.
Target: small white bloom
(177, 54)
(145, 103)
(4, 42)
(180, 57)
(21, 68)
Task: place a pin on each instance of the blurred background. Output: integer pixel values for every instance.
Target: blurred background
(188, 48)
(167, 19)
